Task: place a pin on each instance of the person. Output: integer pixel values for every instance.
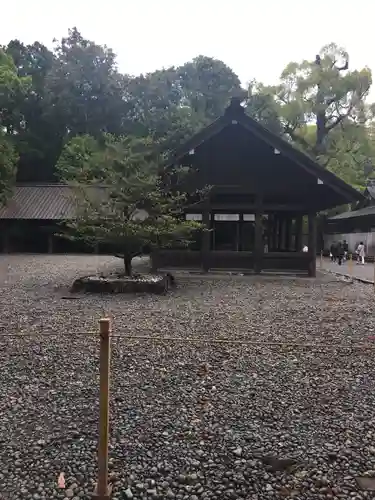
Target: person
(361, 253)
(333, 251)
(345, 247)
(339, 252)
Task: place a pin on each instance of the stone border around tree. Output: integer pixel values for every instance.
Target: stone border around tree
(117, 283)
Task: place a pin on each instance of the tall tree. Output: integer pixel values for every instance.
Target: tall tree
(321, 106)
(122, 200)
(12, 92)
(86, 91)
(164, 102)
(261, 105)
(8, 167)
(39, 140)
(322, 91)
(207, 84)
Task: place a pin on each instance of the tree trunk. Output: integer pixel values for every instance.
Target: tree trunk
(320, 112)
(320, 130)
(128, 265)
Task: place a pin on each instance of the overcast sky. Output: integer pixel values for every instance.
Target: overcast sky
(255, 38)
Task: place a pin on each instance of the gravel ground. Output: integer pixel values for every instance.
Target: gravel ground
(190, 421)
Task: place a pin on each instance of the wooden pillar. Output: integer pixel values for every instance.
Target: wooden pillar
(240, 233)
(269, 232)
(298, 234)
(259, 245)
(238, 236)
(280, 240)
(288, 234)
(206, 238)
(312, 244)
(275, 230)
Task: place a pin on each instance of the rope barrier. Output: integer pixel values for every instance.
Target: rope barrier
(191, 340)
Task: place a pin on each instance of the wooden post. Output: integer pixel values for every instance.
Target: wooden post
(276, 232)
(269, 233)
(312, 245)
(288, 234)
(206, 237)
(280, 244)
(103, 489)
(240, 232)
(259, 244)
(298, 235)
(350, 264)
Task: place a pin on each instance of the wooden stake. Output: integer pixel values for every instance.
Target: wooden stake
(350, 265)
(103, 490)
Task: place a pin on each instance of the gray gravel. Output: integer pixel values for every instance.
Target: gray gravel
(189, 421)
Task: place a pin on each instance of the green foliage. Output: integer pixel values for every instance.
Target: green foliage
(8, 167)
(12, 91)
(37, 137)
(85, 89)
(321, 107)
(76, 161)
(49, 98)
(122, 198)
(12, 88)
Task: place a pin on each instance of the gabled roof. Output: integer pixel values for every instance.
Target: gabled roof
(46, 201)
(235, 113)
(40, 202)
(362, 212)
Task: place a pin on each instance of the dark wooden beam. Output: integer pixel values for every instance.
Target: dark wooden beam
(280, 233)
(206, 240)
(259, 244)
(288, 234)
(312, 244)
(298, 233)
(275, 225)
(243, 207)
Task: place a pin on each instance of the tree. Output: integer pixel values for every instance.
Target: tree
(320, 106)
(262, 107)
(124, 199)
(12, 91)
(8, 167)
(350, 154)
(207, 84)
(86, 91)
(39, 138)
(324, 92)
(171, 104)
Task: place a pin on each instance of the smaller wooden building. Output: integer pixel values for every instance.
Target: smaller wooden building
(355, 225)
(264, 192)
(33, 216)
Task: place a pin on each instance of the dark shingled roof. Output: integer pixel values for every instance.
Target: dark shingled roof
(237, 113)
(42, 202)
(362, 212)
